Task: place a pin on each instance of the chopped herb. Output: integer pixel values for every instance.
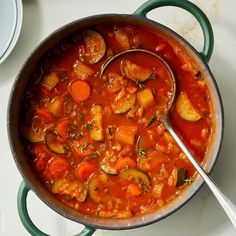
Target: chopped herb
(151, 121)
(91, 146)
(81, 116)
(87, 126)
(140, 85)
(72, 127)
(63, 74)
(77, 136)
(141, 152)
(95, 154)
(84, 146)
(188, 180)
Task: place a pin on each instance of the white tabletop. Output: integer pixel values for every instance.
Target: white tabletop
(202, 215)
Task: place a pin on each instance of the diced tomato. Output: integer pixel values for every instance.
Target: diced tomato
(43, 114)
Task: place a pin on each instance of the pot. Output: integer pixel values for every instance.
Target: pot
(31, 182)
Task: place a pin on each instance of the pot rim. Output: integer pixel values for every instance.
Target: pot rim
(136, 20)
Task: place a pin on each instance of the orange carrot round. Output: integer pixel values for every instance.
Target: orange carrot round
(125, 162)
(85, 170)
(79, 90)
(62, 129)
(57, 167)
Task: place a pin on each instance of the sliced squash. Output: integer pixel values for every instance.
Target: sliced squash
(96, 192)
(31, 134)
(116, 82)
(177, 177)
(135, 72)
(109, 168)
(53, 143)
(124, 104)
(70, 188)
(82, 71)
(95, 46)
(136, 175)
(185, 108)
(122, 38)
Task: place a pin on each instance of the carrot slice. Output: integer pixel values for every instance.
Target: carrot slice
(57, 168)
(134, 190)
(125, 162)
(62, 129)
(85, 170)
(79, 90)
(81, 147)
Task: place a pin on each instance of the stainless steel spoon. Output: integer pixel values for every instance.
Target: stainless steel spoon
(163, 117)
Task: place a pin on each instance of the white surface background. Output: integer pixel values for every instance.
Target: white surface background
(202, 215)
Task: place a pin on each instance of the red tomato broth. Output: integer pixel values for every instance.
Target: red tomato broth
(104, 152)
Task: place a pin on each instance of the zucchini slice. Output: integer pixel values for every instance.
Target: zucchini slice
(53, 143)
(70, 188)
(135, 72)
(136, 175)
(124, 104)
(95, 46)
(96, 187)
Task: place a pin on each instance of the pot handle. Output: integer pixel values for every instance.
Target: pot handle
(25, 219)
(191, 8)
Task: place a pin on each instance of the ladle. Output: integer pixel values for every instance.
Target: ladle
(163, 117)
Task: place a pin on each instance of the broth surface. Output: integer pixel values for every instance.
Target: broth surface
(95, 142)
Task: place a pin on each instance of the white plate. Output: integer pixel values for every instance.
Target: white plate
(10, 26)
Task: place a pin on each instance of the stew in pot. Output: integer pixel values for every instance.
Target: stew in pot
(95, 142)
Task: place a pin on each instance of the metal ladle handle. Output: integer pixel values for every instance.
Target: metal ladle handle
(228, 206)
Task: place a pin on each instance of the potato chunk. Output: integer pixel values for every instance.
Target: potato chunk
(126, 134)
(185, 108)
(96, 133)
(50, 81)
(145, 98)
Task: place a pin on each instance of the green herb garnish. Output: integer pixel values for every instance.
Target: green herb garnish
(84, 146)
(141, 152)
(87, 126)
(140, 85)
(81, 116)
(188, 180)
(95, 154)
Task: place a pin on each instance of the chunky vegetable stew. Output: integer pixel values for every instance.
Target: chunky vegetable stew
(95, 141)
